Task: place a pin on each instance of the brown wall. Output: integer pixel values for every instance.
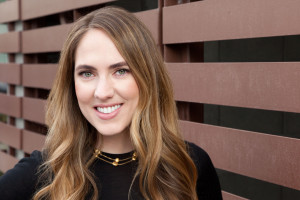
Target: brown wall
(186, 32)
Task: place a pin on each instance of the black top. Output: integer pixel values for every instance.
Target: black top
(113, 182)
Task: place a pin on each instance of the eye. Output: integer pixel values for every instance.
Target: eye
(86, 74)
(122, 72)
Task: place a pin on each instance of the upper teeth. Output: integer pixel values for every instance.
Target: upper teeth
(107, 110)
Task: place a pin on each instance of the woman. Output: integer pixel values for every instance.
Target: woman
(112, 93)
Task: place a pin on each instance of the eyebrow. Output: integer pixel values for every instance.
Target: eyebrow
(84, 67)
(88, 67)
(119, 64)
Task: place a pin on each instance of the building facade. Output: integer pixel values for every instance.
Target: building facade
(235, 67)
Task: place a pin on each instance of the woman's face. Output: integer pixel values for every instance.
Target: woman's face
(106, 90)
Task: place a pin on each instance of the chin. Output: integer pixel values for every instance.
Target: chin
(111, 132)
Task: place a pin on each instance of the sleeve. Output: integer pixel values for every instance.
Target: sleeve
(20, 181)
(208, 185)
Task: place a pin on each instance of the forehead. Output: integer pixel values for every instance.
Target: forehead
(96, 47)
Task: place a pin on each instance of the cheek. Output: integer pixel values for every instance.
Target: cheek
(132, 91)
(83, 93)
(128, 90)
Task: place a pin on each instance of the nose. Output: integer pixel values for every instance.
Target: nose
(104, 89)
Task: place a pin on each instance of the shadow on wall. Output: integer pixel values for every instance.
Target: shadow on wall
(3, 87)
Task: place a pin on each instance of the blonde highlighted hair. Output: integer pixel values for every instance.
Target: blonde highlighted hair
(165, 170)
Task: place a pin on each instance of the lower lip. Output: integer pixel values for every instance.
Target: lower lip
(107, 116)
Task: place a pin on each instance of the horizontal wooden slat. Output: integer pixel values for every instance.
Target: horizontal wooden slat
(229, 196)
(229, 19)
(10, 42)
(270, 86)
(9, 11)
(269, 158)
(39, 75)
(34, 109)
(10, 73)
(48, 39)
(32, 141)
(151, 19)
(10, 105)
(37, 8)
(7, 162)
(10, 135)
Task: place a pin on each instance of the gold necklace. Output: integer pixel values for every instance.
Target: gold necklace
(114, 161)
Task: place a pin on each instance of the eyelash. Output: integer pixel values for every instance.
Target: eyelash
(123, 69)
(84, 73)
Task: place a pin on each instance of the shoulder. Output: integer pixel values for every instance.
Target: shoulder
(26, 166)
(208, 186)
(200, 158)
(19, 182)
(198, 155)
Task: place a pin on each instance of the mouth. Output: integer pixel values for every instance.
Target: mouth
(108, 109)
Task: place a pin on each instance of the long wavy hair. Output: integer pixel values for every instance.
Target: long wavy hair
(165, 169)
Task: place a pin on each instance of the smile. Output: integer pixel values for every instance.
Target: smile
(109, 109)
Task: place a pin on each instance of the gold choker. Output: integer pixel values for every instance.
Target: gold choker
(114, 161)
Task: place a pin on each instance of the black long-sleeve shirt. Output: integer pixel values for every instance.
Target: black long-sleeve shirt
(113, 182)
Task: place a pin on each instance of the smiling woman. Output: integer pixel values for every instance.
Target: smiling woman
(113, 130)
(106, 91)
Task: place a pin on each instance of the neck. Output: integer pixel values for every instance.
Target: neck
(116, 144)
